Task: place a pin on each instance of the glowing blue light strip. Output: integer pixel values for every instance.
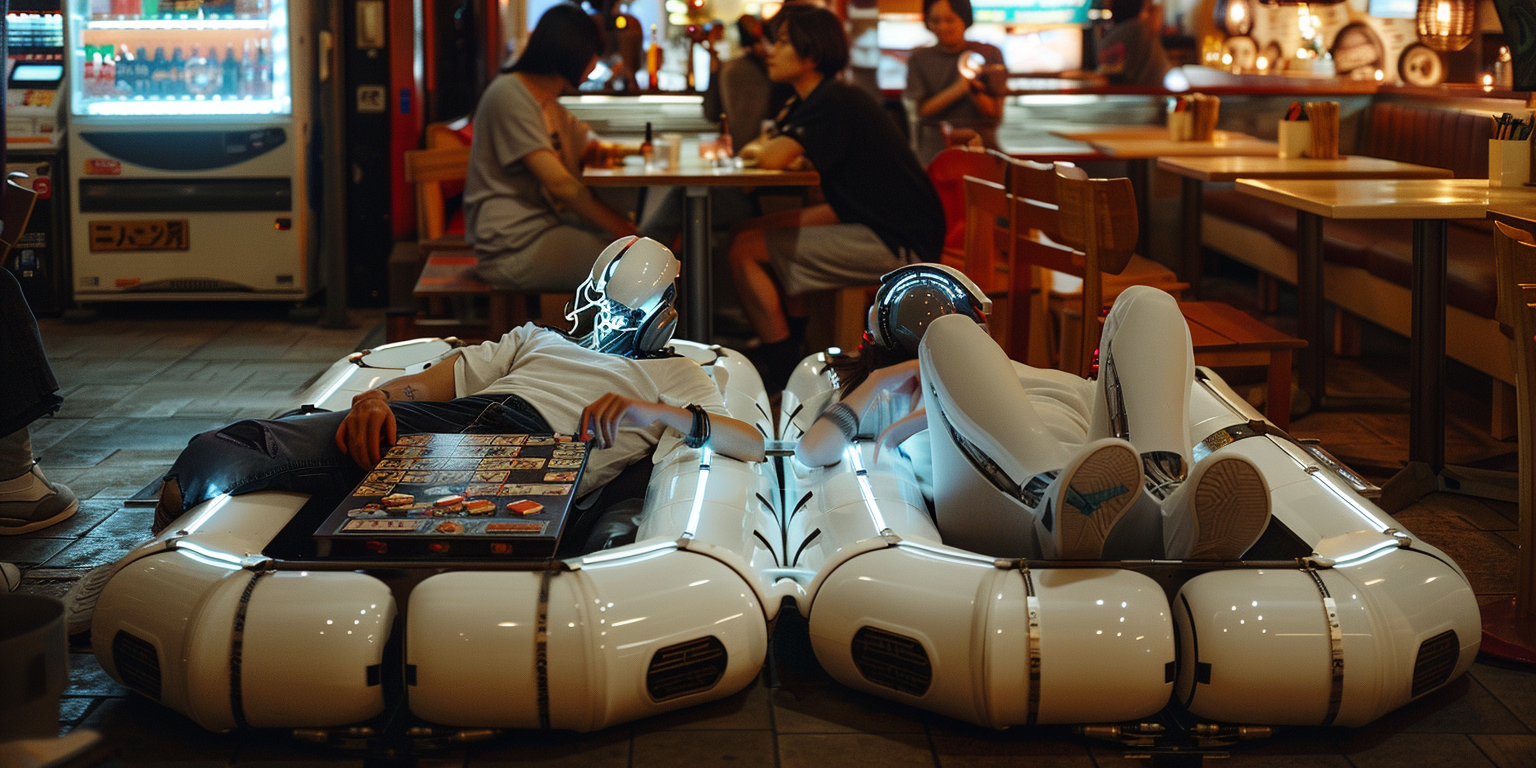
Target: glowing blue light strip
(705, 455)
(223, 559)
(626, 554)
(862, 474)
(1368, 554)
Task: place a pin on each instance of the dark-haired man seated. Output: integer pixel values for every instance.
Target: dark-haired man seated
(881, 210)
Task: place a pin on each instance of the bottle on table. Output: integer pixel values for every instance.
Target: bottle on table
(723, 148)
(648, 149)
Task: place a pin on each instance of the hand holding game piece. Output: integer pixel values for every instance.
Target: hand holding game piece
(367, 428)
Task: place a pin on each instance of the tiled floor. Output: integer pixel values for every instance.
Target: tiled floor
(138, 383)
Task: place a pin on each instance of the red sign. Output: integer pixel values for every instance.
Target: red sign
(97, 166)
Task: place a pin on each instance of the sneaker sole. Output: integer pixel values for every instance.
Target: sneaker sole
(80, 601)
(1080, 533)
(67, 512)
(1230, 510)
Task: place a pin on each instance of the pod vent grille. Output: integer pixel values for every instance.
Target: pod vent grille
(686, 668)
(892, 661)
(138, 664)
(1437, 659)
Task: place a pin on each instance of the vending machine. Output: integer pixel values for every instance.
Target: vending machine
(188, 126)
(34, 141)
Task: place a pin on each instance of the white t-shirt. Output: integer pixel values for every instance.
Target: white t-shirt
(560, 378)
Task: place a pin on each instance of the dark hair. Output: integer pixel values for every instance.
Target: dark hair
(815, 33)
(962, 8)
(1126, 10)
(749, 30)
(563, 43)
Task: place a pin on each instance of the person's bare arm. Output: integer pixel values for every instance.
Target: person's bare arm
(779, 152)
(370, 424)
(823, 444)
(602, 419)
(572, 194)
(940, 101)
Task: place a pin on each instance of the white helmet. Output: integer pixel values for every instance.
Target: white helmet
(628, 298)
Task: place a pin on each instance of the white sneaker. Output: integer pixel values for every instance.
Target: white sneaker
(1218, 513)
(30, 502)
(10, 577)
(1085, 500)
(80, 600)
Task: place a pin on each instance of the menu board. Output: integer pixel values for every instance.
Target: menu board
(438, 495)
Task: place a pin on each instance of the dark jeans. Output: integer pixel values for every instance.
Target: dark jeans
(299, 453)
(23, 365)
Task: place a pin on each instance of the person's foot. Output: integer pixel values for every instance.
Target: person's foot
(30, 502)
(1218, 513)
(1082, 503)
(80, 600)
(10, 577)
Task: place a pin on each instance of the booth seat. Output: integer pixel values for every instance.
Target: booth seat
(1368, 265)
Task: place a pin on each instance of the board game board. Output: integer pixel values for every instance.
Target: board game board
(460, 495)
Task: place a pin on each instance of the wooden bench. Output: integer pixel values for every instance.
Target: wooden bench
(450, 274)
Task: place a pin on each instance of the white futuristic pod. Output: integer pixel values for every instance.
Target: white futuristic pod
(201, 620)
(1337, 615)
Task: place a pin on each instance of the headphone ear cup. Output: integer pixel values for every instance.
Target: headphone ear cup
(656, 331)
(873, 322)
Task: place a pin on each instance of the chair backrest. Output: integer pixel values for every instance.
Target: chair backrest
(429, 170)
(947, 171)
(1098, 220)
(1515, 256)
(17, 211)
(988, 233)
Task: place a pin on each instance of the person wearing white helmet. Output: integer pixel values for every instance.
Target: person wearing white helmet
(1127, 431)
(616, 384)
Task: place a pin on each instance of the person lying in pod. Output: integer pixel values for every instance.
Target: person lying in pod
(615, 382)
(1079, 430)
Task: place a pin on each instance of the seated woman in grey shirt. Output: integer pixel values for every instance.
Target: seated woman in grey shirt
(533, 224)
(936, 87)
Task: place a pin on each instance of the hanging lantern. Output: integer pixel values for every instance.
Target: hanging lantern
(1446, 25)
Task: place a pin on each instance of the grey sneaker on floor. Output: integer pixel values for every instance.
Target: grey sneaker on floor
(1086, 499)
(80, 600)
(30, 502)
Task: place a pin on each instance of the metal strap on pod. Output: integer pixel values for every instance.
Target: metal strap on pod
(541, 648)
(1335, 648)
(236, 653)
(1229, 435)
(1032, 607)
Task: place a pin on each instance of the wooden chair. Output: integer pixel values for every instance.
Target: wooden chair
(16, 213)
(448, 261)
(1062, 295)
(948, 171)
(1515, 261)
(1098, 219)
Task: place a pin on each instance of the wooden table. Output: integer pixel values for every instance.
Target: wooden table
(696, 178)
(1429, 203)
(1139, 149)
(1195, 171)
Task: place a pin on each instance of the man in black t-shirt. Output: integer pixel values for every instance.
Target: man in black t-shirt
(881, 210)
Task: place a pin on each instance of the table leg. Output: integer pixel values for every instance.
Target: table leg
(1192, 208)
(1140, 171)
(1426, 431)
(698, 309)
(1312, 375)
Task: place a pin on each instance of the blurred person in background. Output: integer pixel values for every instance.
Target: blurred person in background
(533, 224)
(881, 211)
(1132, 52)
(944, 84)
